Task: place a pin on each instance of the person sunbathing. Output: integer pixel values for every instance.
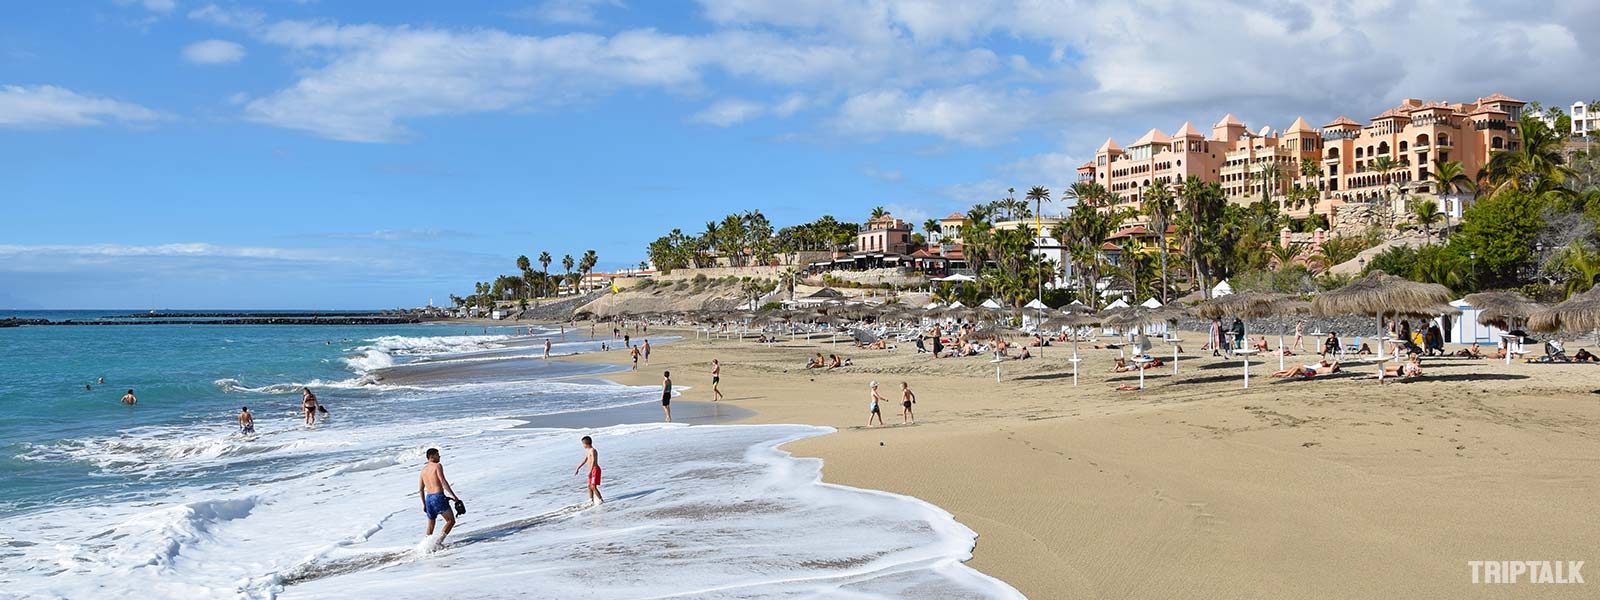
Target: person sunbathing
(1310, 370)
(1412, 367)
(1025, 355)
(1470, 352)
(1363, 350)
(1260, 344)
(1122, 366)
(1584, 355)
(1499, 353)
(834, 362)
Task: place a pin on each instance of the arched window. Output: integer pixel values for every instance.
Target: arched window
(1333, 153)
(1383, 148)
(1422, 140)
(1444, 139)
(1497, 143)
(1358, 152)
(1402, 145)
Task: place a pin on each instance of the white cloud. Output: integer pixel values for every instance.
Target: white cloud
(237, 17)
(931, 68)
(158, 6)
(567, 12)
(213, 52)
(884, 175)
(728, 112)
(165, 250)
(49, 107)
(971, 114)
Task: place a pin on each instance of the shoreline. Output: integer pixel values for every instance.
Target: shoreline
(1187, 488)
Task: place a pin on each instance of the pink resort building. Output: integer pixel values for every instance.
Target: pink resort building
(1336, 159)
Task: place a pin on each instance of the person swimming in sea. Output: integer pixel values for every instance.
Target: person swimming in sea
(247, 421)
(130, 399)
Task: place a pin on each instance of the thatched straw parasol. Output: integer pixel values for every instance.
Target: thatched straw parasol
(1244, 305)
(1502, 309)
(1379, 294)
(1578, 314)
(1252, 305)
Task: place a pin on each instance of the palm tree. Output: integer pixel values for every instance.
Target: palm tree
(566, 263)
(525, 267)
(587, 263)
(1284, 255)
(544, 263)
(1385, 167)
(1157, 204)
(1582, 267)
(1268, 176)
(931, 226)
(1537, 159)
(1086, 192)
(1426, 213)
(1337, 251)
(1449, 178)
(1039, 195)
(877, 213)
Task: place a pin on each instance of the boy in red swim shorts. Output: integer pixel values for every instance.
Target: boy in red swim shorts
(591, 457)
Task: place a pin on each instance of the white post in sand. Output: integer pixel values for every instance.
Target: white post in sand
(1245, 354)
(1280, 349)
(1074, 360)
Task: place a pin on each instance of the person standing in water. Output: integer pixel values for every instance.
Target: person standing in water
(308, 405)
(591, 457)
(872, 406)
(130, 399)
(907, 398)
(666, 394)
(547, 348)
(716, 379)
(435, 503)
(247, 421)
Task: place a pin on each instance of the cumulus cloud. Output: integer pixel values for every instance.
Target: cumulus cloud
(728, 112)
(50, 107)
(970, 113)
(213, 52)
(156, 6)
(567, 12)
(974, 73)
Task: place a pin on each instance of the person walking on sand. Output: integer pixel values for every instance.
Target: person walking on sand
(634, 352)
(435, 503)
(646, 352)
(716, 379)
(547, 348)
(130, 399)
(872, 406)
(1300, 335)
(247, 421)
(591, 457)
(666, 393)
(308, 405)
(907, 398)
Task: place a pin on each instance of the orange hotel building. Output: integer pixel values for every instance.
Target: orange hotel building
(1413, 134)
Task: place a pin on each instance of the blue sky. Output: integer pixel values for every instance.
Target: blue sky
(282, 154)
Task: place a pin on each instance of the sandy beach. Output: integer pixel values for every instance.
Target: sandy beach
(1336, 487)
